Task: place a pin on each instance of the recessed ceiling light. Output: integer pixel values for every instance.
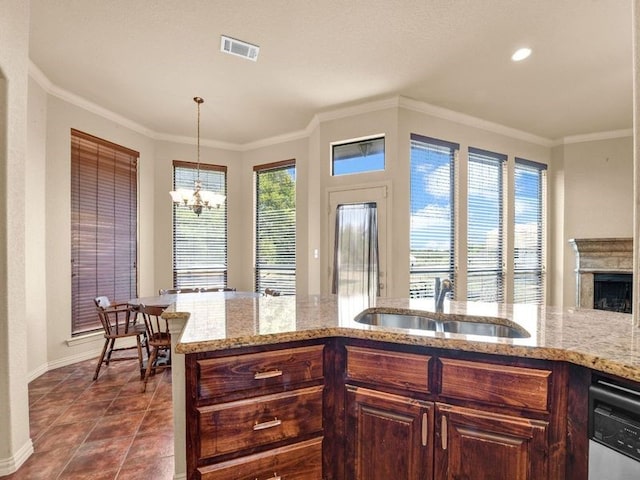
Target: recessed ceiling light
(521, 54)
(239, 48)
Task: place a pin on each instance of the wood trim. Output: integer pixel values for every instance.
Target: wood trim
(272, 166)
(106, 143)
(203, 166)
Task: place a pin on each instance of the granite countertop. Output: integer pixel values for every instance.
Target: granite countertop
(604, 341)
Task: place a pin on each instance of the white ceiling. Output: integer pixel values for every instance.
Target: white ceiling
(146, 59)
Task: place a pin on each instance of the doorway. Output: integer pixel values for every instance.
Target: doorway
(366, 208)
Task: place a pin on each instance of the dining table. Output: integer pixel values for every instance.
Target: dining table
(170, 298)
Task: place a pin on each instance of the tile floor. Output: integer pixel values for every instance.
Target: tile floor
(102, 430)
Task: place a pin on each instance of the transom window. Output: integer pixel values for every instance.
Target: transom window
(360, 156)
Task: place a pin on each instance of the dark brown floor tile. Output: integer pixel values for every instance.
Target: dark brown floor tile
(99, 456)
(154, 445)
(147, 468)
(39, 426)
(99, 392)
(163, 394)
(133, 387)
(81, 411)
(63, 396)
(157, 420)
(69, 412)
(129, 404)
(43, 465)
(111, 426)
(68, 435)
(75, 385)
(109, 474)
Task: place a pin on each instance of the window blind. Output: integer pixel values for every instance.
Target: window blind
(432, 226)
(103, 226)
(529, 258)
(200, 242)
(276, 227)
(485, 233)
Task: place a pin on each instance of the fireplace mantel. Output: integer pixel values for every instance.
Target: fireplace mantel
(599, 255)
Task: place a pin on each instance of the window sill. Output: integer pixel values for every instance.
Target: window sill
(86, 338)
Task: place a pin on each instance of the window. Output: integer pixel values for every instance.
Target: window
(103, 226)
(529, 262)
(432, 213)
(485, 232)
(276, 227)
(359, 156)
(200, 242)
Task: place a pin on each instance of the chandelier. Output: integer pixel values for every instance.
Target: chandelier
(197, 199)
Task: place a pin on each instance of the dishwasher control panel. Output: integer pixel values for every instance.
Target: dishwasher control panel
(615, 418)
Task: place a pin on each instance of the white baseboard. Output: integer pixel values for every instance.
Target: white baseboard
(63, 362)
(13, 463)
(179, 476)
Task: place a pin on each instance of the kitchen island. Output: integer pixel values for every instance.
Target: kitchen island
(555, 364)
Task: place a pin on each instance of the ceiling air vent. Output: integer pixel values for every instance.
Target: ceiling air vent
(239, 48)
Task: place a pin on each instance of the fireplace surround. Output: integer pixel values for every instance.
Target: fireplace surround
(598, 258)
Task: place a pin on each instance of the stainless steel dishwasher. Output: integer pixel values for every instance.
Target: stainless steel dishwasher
(614, 432)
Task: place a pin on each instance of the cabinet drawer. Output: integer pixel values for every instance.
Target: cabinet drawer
(250, 372)
(301, 461)
(235, 426)
(395, 369)
(497, 384)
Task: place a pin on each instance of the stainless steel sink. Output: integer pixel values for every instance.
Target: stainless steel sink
(440, 323)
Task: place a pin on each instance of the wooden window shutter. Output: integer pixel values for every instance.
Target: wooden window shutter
(103, 226)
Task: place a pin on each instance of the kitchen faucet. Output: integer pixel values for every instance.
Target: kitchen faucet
(440, 291)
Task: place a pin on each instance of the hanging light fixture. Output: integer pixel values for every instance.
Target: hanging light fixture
(197, 199)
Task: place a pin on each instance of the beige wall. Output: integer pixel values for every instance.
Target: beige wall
(61, 117)
(569, 180)
(15, 445)
(35, 232)
(598, 198)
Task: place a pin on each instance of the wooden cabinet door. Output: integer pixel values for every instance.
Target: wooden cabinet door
(388, 436)
(471, 444)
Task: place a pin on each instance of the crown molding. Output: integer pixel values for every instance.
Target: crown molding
(344, 112)
(593, 137)
(464, 119)
(85, 104)
(203, 141)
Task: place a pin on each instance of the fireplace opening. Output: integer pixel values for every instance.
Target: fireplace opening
(613, 292)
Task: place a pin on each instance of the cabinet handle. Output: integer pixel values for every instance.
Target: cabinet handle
(267, 374)
(425, 429)
(264, 425)
(443, 433)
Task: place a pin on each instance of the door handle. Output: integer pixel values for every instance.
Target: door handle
(425, 429)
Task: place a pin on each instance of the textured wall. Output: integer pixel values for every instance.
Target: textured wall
(15, 445)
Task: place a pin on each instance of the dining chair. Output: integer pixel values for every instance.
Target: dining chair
(164, 291)
(118, 323)
(159, 340)
(217, 289)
